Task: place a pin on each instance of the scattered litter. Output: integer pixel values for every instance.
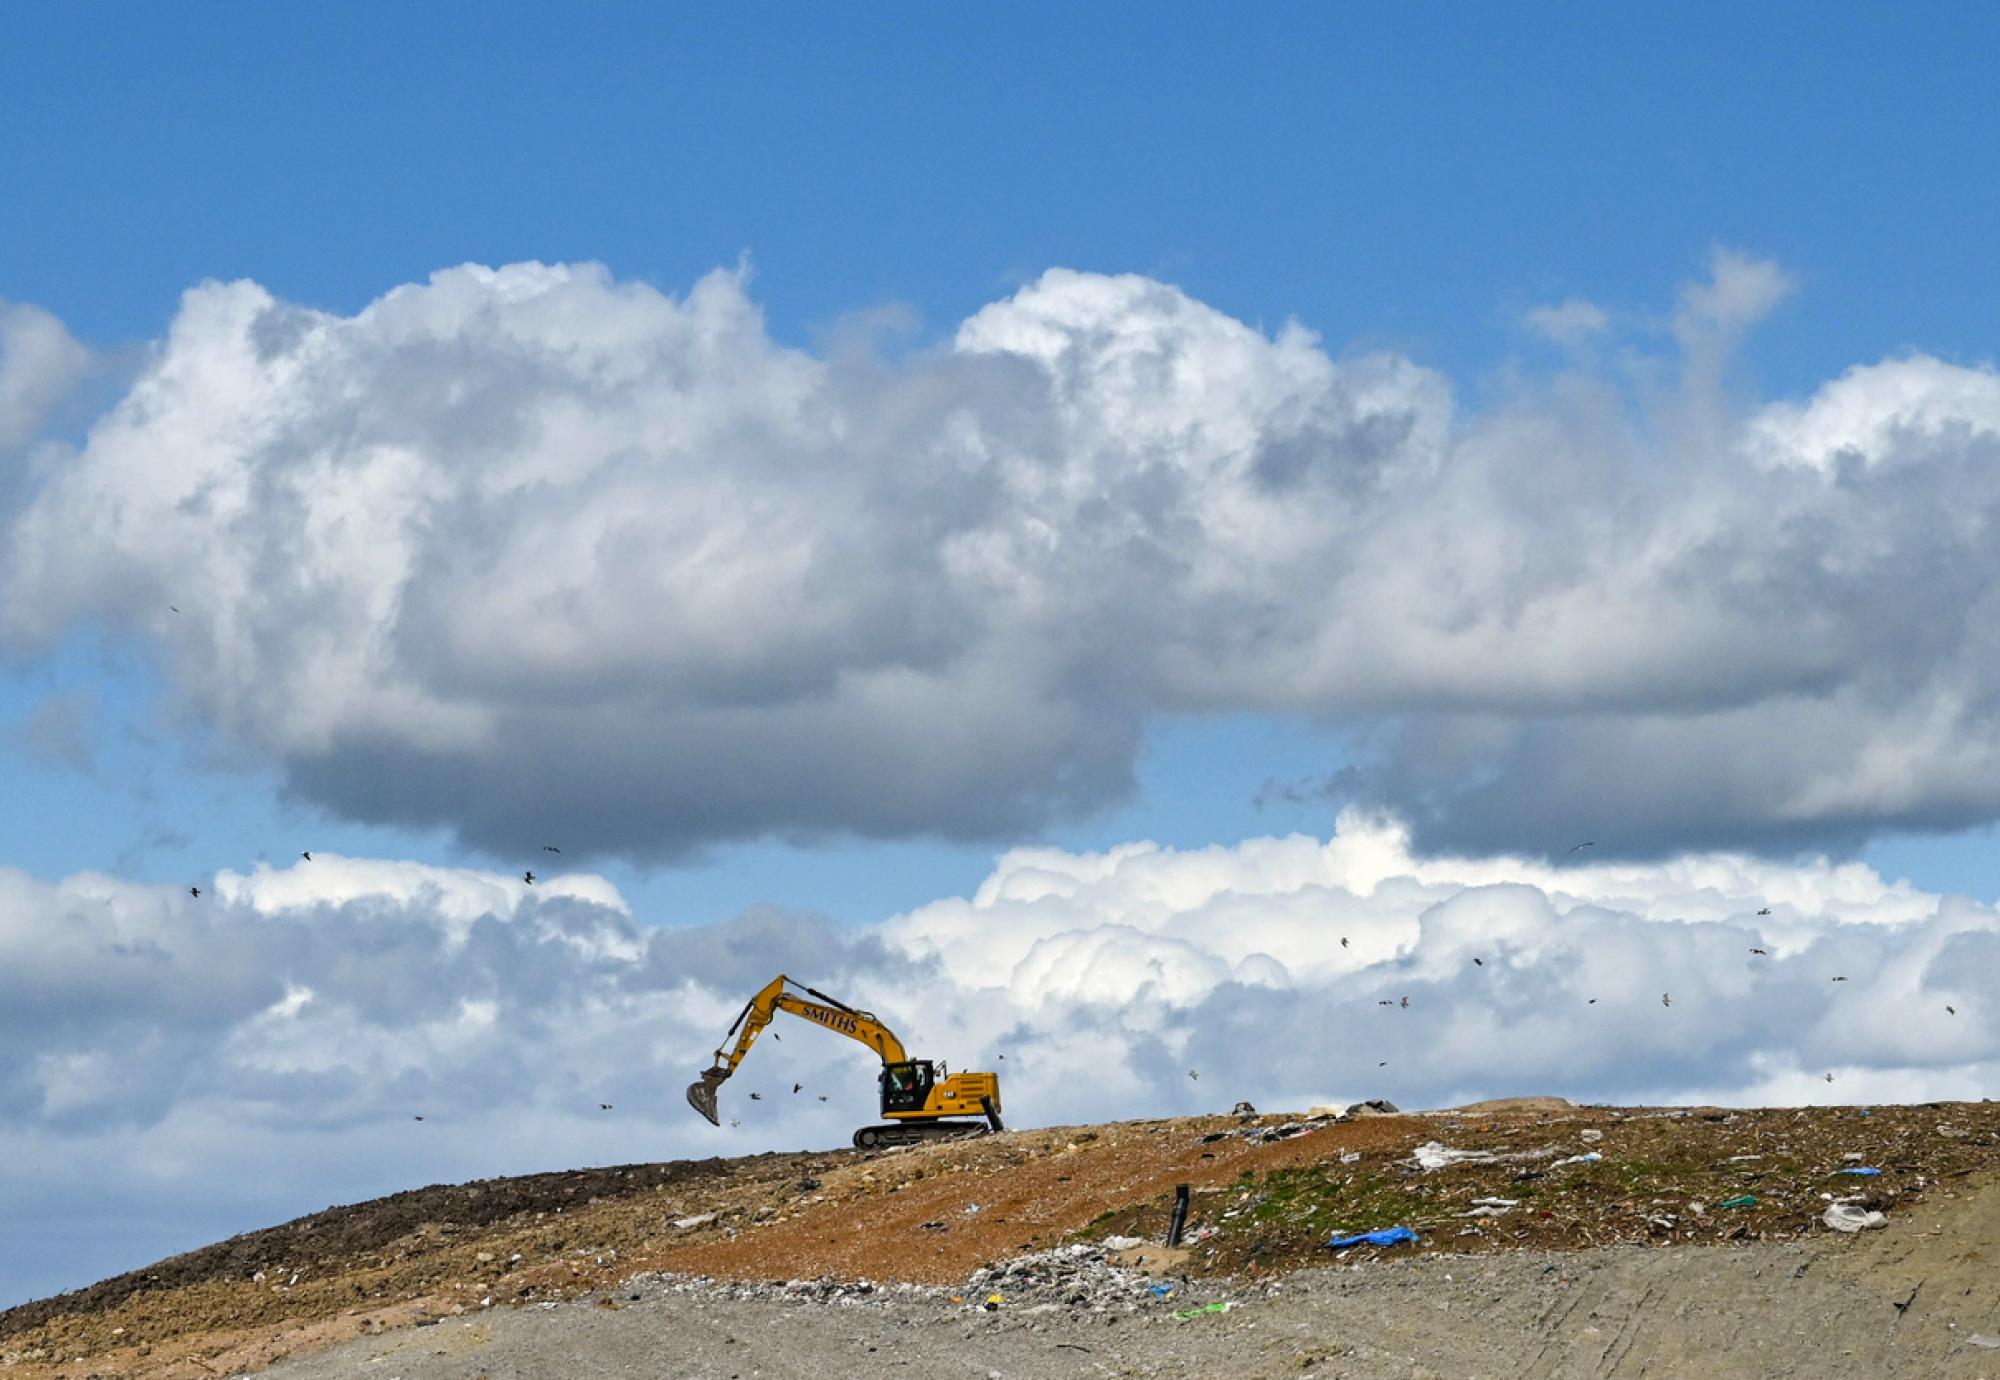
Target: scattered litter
(1199, 1234)
(1186, 1314)
(1741, 1159)
(1592, 1158)
(1381, 1236)
(1433, 1155)
(1854, 1157)
(1590, 1135)
(1846, 1217)
(686, 1223)
(992, 1304)
(1492, 1207)
(1859, 1172)
(971, 1208)
(1981, 1339)
(1123, 1243)
(1740, 1200)
(1159, 1291)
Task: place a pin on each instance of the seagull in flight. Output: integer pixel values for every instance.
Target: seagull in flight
(1829, 1078)
(307, 855)
(1951, 1011)
(195, 892)
(1581, 846)
(756, 1097)
(822, 1097)
(1591, 1002)
(416, 1118)
(1479, 963)
(1765, 911)
(795, 1088)
(1194, 1075)
(604, 1106)
(1759, 951)
(1406, 1003)
(1838, 979)
(1666, 998)
(528, 877)
(1383, 1065)
(734, 1123)
(1385, 1003)
(550, 848)
(1343, 941)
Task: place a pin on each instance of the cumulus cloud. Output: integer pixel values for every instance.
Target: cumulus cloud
(529, 550)
(40, 363)
(230, 1061)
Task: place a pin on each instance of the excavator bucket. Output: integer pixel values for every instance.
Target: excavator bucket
(701, 1094)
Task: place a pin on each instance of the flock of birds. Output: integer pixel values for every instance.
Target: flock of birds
(1194, 1075)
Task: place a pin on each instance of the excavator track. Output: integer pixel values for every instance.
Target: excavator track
(892, 1134)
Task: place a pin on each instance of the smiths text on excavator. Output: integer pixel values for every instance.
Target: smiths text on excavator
(920, 1100)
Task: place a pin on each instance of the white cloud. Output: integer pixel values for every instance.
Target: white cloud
(1569, 323)
(266, 1050)
(531, 552)
(40, 362)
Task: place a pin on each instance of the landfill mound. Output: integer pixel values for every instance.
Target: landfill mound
(1267, 1194)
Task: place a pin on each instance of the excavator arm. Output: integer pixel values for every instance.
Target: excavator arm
(758, 1012)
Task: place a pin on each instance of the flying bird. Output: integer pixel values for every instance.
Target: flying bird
(528, 877)
(734, 1123)
(550, 848)
(604, 1106)
(1192, 1074)
(175, 608)
(195, 892)
(1838, 979)
(1765, 911)
(307, 855)
(822, 1097)
(1581, 846)
(756, 1097)
(795, 1088)
(1406, 1003)
(1759, 951)
(1479, 963)
(1829, 1078)
(1666, 998)
(1343, 941)
(999, 1056)
(416, 1118)
(1591, 1002)
(1383, 1065)
(1385, 1003)
(1951, 1011)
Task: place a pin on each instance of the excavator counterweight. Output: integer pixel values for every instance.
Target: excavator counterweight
(919, 1100)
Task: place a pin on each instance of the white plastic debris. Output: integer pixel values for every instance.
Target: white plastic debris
(685, 1223)
(1981, 1339)
(1849, 1218)
(1591, 1135)
(1349, 1156)
(1592, 1158)
(1123, 1243)
(1433, 1155)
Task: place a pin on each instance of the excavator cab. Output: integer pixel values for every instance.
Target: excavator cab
(906, 1087)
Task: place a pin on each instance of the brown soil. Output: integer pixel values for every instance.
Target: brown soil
(933, 1213)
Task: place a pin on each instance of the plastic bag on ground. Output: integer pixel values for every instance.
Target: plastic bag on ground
(1381, 1236)
(1434, 1155)
(1847, 1217)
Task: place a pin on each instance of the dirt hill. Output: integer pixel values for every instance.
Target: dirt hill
(1267, 1194)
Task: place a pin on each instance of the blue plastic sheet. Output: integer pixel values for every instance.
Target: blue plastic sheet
(1865, 1173)
(1382, 1236)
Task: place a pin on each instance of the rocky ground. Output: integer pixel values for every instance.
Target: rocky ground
(1553, 1240)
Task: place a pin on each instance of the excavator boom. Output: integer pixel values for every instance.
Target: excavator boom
(914, 1091)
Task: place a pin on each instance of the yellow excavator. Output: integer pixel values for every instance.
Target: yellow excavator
(921, 1101)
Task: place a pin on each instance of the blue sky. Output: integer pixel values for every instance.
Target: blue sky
(1411, 177)
(932, 470)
